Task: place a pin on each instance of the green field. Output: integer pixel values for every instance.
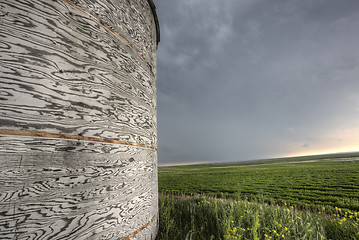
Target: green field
(321, 183)
(313, 197)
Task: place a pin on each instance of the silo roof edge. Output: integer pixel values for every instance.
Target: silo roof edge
(153, 8)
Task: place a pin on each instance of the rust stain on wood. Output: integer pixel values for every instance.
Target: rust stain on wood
(114, 32)
(140, 229)
(68, 136)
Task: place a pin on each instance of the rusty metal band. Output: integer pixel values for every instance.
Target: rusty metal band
(140, 229)
(70, 137)
(113, 31)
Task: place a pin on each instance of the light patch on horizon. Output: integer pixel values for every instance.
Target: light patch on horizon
(335, 141)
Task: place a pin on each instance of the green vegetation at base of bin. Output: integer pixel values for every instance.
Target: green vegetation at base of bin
(202, 217)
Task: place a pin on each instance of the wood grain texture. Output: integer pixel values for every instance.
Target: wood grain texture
(130, 18)
(86, 83)
(113, 31)
(62, 73)
(43, 135)
(77, 195)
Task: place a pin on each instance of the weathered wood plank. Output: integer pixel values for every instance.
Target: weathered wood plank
(132, 20)
(62, 72)
(70, 84)
(45, 190)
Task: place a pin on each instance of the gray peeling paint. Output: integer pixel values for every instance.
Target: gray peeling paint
(78, 134)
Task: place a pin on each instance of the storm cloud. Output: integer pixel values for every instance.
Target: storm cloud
(251, 79)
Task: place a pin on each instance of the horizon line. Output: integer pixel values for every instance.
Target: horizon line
(257, 159)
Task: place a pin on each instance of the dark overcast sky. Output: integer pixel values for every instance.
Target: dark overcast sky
(251, 79)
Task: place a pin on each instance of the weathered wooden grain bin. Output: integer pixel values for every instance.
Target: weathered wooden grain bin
(78, 131)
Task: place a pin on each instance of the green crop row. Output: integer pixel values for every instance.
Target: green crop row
(309, 185)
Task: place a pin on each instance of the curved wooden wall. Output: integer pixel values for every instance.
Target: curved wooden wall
(78, 132)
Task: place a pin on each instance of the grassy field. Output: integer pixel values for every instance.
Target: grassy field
(293, 198)
(202, 217)
(322, 183)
